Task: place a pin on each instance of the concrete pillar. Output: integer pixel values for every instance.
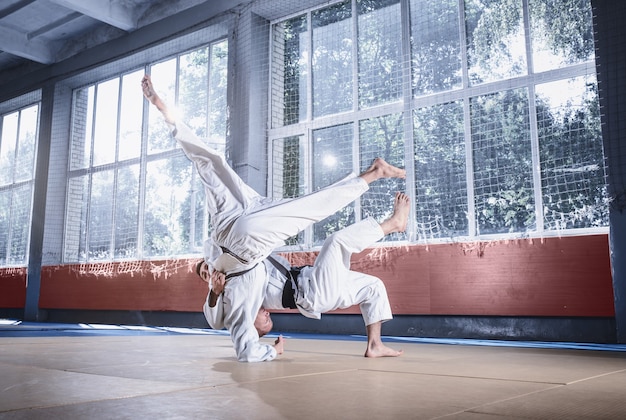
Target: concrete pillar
(610, 41)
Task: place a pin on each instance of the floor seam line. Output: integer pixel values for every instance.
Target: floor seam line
(475, 408)
(595, 377)
(487, 378)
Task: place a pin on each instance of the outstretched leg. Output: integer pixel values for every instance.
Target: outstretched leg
(151, 95)
(227, 196)
(396, 223)
(255, 234)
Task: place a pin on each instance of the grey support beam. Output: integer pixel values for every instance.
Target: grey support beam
(19, 44)
(115, 13)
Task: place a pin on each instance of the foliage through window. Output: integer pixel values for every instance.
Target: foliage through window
(18, 146)
(490, 105)
(131, 191)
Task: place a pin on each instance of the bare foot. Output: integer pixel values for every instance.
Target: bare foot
(151, 95)
(380, 350)
(381, 169)
(398, 221)
(148, 89)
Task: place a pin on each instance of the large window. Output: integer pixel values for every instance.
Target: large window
(490, 105)
(132, 193)
(18, 144)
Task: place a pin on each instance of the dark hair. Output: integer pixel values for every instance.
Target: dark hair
(198, 267)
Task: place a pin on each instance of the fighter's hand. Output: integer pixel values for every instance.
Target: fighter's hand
(279, 344)
(218, 281)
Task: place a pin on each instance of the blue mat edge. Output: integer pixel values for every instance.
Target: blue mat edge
(15, 328)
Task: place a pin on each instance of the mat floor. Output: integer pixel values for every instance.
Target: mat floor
(91, 372)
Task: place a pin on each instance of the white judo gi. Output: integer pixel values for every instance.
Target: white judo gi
(246, 227)
(330, 284)
(246, 224)
(327, 285)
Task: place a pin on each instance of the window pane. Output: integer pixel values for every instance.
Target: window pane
(5, 217)
(502, 162)
(20, 224)
(332, 59)
(289, 172)
(18, 142)
(82, 128)
(7, 147)
(200, 222)
(380, 52)
(101, 215)
(496, 47)
(572, 162)
(126, 212)
(26, 144)
(164, 79)
(561, 33)
(76, 219)
(103, 205)
(382, 137)
(131, 116)
(440, 172)
(105, 133)
(288, 167)
(435, 46)
(167, 209)
(332, 160)
(193, 90)
(218, 81)
(289, 76)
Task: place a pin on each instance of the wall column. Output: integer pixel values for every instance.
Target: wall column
(35, 253)
(610, 42)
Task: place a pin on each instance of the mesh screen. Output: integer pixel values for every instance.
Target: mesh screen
(18, 135)
(491, 106)
(131, 191)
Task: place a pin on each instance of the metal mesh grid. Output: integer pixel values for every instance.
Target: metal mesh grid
(491, 147)
(459, 88)
(18, 135)
(132, 193)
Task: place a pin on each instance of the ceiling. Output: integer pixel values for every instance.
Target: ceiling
(38, 33)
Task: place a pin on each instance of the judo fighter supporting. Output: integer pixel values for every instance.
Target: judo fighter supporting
(327, 285)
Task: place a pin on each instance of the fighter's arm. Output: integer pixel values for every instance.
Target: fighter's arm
(217, 283)
(213, 307)
(243, 297)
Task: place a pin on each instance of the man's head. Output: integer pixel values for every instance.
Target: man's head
(202, 270)
(263, 322)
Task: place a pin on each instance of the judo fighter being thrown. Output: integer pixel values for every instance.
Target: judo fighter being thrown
(247, 227)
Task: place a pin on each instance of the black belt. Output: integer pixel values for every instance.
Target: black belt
(239, 273)
(289, 293)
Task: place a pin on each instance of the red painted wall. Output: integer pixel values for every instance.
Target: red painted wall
(568, 276)
(12, 287)
(170, 285)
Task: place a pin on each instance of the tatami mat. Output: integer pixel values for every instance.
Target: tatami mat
(50, 371)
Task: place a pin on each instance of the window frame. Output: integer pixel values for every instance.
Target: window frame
(12, 186)
(408, 103)
(82, 254)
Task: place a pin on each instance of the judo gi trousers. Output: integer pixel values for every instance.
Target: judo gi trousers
(330, 284)
(249, 225)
